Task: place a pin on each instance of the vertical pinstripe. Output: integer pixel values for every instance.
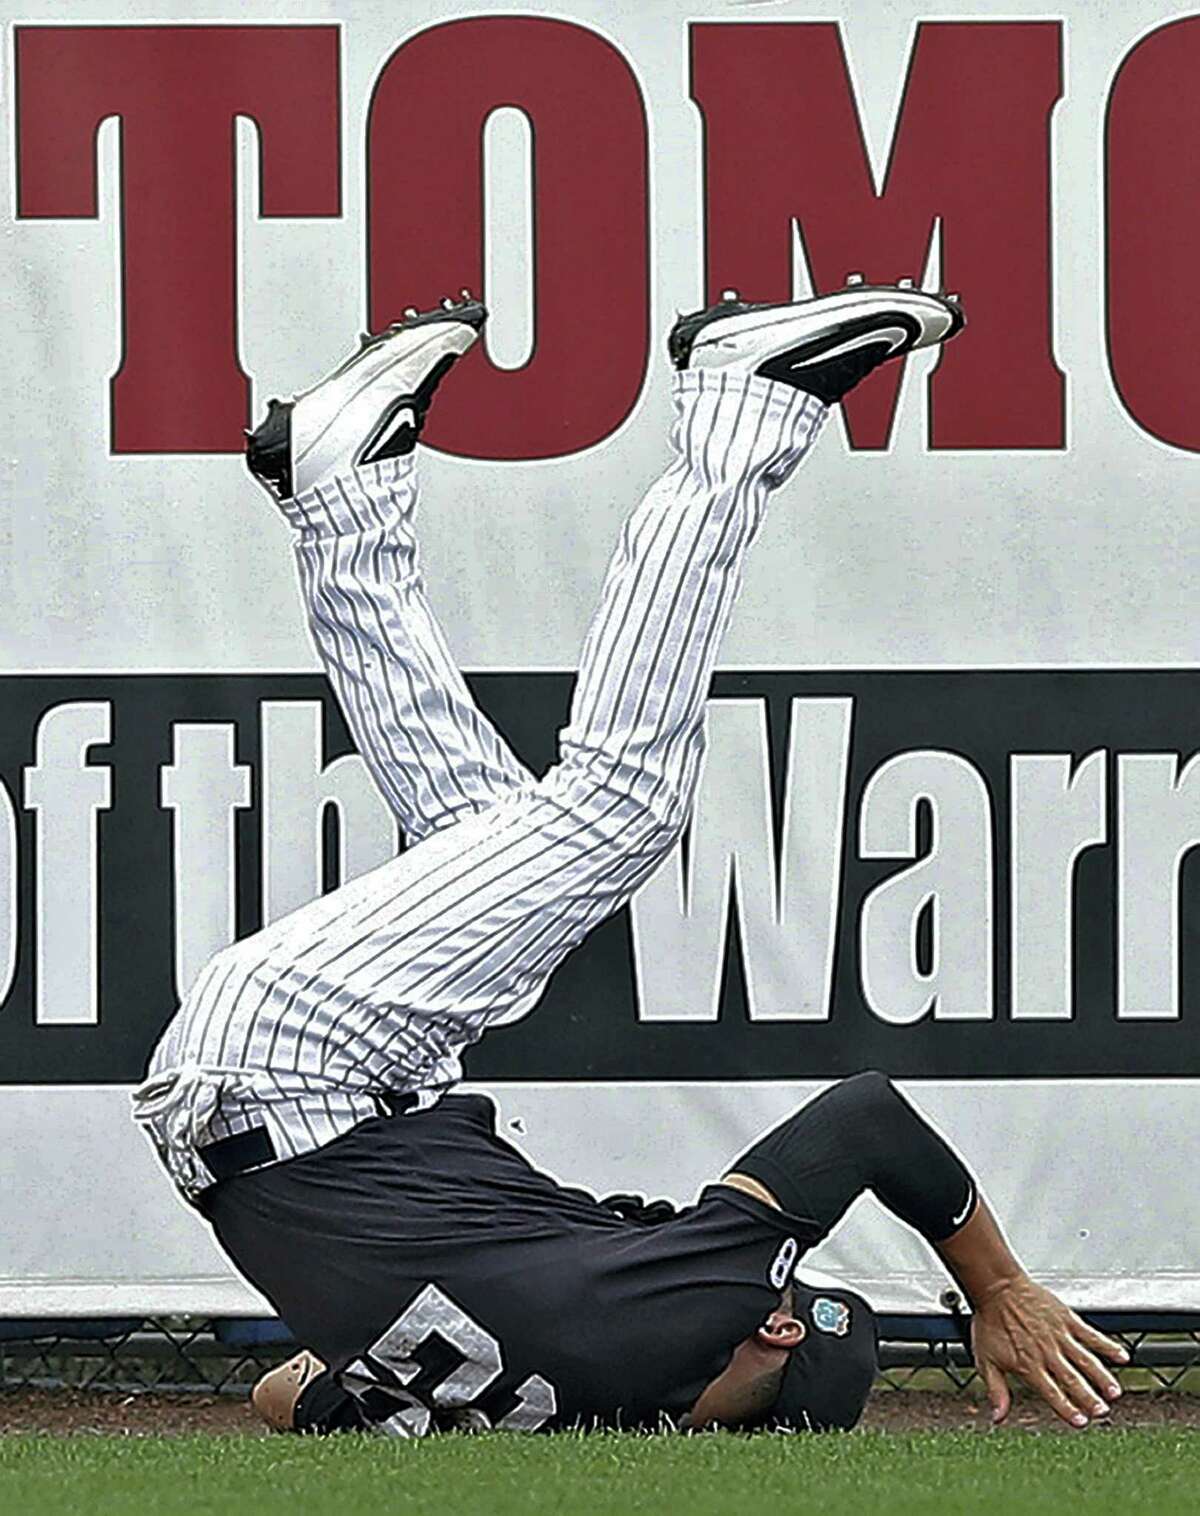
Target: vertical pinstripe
(431, 751)
(381, 985)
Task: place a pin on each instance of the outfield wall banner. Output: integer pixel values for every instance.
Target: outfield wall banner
(948, 819)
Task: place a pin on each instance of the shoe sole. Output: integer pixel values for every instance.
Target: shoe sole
(472, 313)
(848, 313)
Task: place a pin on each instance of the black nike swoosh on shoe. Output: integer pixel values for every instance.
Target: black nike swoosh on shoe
(896, 337)
(406, 417)
(395, 434)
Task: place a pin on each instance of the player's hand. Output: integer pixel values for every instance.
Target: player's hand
(1022, 1329)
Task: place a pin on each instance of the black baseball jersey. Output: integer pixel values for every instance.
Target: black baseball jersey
(448, 1282)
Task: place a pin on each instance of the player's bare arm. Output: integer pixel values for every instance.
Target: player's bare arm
(1019, 1327)
(863, 1135)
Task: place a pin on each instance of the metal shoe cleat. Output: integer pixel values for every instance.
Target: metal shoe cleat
(410, 311)
(905, 284)
(728, 296)
(853, 279)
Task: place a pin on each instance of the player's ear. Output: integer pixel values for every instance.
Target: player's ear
(781, 1330)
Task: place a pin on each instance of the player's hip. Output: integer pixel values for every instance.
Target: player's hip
(212, 1124)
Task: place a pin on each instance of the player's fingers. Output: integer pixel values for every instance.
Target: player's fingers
(1083, 1396)
(1040, 1381)
(998, 1391)
(1092, 1369)
(1115, 1352)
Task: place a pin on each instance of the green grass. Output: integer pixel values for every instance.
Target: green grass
(925, 1474)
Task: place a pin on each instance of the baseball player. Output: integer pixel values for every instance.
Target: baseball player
(303, 1095)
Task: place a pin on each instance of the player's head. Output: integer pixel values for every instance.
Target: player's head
(808, 1367)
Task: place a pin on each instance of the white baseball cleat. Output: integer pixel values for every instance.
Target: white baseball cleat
(274, 1396)
(369, 409)
(823, 346)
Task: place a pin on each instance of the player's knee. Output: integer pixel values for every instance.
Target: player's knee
(667, 818)
(631, 811)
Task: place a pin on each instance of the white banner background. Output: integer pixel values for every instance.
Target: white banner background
(1084, 557)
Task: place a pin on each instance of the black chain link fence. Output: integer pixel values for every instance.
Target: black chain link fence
(930, 1352)
(189, 1355)
(176, 1354)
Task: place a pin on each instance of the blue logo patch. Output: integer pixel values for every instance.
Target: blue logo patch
(832, 1316)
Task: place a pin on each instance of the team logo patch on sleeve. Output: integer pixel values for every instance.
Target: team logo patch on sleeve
(832, 1316)
(785, 1262)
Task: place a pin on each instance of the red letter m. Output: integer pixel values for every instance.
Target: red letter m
(971, 149)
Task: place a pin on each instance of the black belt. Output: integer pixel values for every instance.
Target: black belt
(230, 1156)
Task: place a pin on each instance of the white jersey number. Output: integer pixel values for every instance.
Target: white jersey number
(389, 1365)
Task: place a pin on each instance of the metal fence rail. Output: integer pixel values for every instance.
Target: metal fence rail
(224, 1357)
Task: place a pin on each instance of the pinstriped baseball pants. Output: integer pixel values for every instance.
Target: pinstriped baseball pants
(379, 986)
